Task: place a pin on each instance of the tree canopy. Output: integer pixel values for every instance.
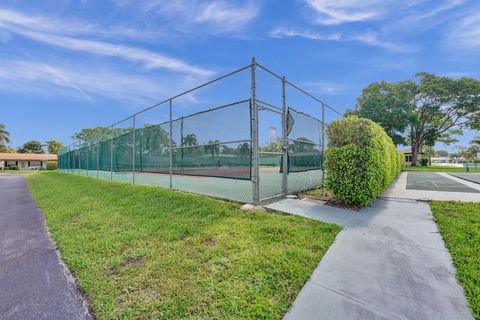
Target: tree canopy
(54, 146)
(89, 133)
(422, 112)
(4, 135)
(31, 147)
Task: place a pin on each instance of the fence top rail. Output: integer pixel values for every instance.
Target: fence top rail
(296, 87)
(185, 92)
(305, 114)
(268, 104)
(312, 96)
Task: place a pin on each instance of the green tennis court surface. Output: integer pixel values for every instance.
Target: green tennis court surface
(435, 182)
(472, 177)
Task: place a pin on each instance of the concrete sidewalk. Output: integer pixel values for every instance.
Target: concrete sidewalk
(34, 283)
(389, 262)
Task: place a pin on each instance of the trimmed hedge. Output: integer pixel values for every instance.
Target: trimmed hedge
(361, 160)
(51, 165)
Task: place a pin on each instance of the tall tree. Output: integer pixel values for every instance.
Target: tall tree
(7, 149)
(91, 133)
(54, 146)
(388, 104)
(421, 113)
(31, 146)
(4, 135)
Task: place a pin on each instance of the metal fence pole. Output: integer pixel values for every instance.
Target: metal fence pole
(170, 145)
(323, 145)
(88, 147)
(284, 141)
(255, 154)
(133, 151)
(80, 159)
(111, 155)
(98, 155)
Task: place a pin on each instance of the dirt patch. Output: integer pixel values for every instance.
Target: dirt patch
(133, 261)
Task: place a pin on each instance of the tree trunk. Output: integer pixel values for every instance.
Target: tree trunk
(416, 149)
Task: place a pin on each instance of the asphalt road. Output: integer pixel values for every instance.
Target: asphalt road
(34, 283)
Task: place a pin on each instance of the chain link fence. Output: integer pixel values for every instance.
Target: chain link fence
(249, 150)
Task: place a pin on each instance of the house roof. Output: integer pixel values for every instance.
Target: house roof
(27, 157)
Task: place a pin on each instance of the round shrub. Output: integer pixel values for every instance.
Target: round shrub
(361, 160)
(52, 165)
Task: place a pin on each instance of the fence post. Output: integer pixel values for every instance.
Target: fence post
(98, 155)
(170, 145)
(111, 155)
(79, 159)
(133, 151)
(284, 140)
(255, 155)
(88, 159)
(323, 145)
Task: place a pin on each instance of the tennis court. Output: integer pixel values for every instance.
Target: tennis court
(472, 177)
(432, 181)
(253, 144)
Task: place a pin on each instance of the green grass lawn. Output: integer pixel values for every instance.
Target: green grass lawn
(146, 252)
(459, 224)
(439, 169)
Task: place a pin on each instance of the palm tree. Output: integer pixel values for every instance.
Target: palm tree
(213, 147)
(4, 134)
(190, 140)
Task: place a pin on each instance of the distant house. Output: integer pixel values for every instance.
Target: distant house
(25, 161)
(442, 160)
(409, 158)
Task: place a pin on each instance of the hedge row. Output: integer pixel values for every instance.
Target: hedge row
(361, 160)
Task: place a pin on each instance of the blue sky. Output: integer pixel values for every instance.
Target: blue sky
(67, 65)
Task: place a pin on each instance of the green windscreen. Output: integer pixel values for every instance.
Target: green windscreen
(213, 143)
(304, 135)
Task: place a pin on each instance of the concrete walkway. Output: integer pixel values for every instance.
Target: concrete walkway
(34, 283)
(389, 262)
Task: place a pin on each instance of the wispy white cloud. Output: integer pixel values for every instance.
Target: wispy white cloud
(466, 32)
(53, 33)
(324, 87)
(369, 38)
(228, 16)
(281, 32)
(151, 60)
(217, 16)
(35, 77)
(432, 12)
(343, 11)
(11, 18)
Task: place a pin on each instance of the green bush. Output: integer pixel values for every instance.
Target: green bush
(361, 160)
(424, 162)
(12, 168)
(51, 165)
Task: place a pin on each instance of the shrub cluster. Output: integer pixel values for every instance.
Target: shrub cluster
(361, 160)
(52, 165)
